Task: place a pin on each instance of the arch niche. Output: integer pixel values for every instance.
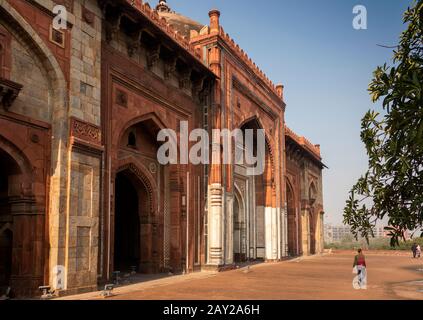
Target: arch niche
(138, 224)
(293, 225)
(312, 218)
(265, 196)
(21, 227)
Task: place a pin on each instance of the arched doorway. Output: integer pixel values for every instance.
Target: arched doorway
(138, 240)
(262, 223)
(239, 234)
(292, 222)
(133, 224)
(6, 246)
(127, 225)
(312, 218)
(9, 174)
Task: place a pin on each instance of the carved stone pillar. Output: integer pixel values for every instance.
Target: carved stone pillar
(215, 226)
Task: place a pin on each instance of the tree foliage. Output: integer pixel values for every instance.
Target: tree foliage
(392, 187)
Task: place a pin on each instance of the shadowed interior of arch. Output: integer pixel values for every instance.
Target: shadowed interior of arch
(293, 240)
(312, 218)
(9, 170)
(131, 245)
(258, 232)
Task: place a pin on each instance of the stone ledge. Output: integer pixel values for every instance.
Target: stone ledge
(9, 91)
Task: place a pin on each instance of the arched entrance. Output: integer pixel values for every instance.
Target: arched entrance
(10, 176)
(239, 234)
(292, 222)
(138, 239)
(127, 225)
(6, 246)
(133, 226)
(312, 218)
(262, 224)
(257, 219)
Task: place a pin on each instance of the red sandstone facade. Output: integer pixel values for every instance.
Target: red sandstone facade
(82, 192)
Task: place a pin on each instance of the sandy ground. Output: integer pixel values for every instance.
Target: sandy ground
(391, 275)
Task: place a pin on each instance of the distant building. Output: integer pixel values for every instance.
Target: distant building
(335, 234)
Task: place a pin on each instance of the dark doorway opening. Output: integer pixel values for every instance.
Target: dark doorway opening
(292, 223)
(312, 233)
(9, 177)
(127, 253)
(6, 240)
(237, 233)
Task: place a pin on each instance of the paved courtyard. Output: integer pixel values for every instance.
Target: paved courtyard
(390, 276)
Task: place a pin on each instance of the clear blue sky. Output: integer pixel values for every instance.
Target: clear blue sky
(325, 65)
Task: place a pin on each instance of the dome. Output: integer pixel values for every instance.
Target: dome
(179, 22)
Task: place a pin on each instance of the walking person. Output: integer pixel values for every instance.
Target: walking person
(360, 264)
(414, 250)
(418, 251)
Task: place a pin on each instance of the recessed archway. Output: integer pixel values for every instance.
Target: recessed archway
(239, 230)
(312, 218)
(133, 225)
(127, 224)
(11, 178)
(257, 220)
(292, 221)
(262, 222)
(6, 248)
(138, 239)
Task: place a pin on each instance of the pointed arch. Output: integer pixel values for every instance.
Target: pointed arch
(153, 116)
(240, 247)
(269, 148)
(21, 160)
(6, 227)
(293, 219)
(144, 177)
(312, 190)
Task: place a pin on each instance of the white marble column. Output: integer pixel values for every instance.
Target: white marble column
(229, 234)
(215, 226)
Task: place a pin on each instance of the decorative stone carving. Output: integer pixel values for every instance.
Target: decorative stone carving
(88, 16)
(185, 78)
(170, 67)
(112, 27)
(134, 42)
(121, 98)
(153, 168)
(153, 55)
(9, 91)
(197, 88)
(85, 131)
